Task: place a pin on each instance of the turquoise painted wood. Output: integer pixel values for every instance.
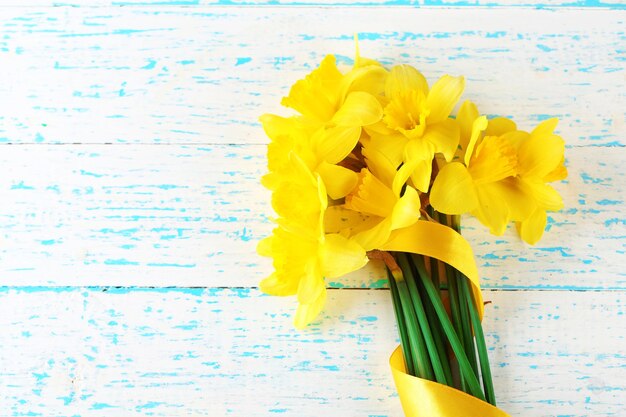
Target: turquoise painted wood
(188, 214)
(140, 75)
(130, 207)
(220, 352)
(543, 4)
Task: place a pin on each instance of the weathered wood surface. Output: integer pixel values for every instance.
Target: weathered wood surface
(556, 4)
(192, 215)
(187, 75)
(131, 154)
(218, 352)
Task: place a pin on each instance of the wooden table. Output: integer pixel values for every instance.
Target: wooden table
(130, 207)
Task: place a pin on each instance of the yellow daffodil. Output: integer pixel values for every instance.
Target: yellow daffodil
(416, 123)
(501, 174)
(320, 151)
(334, 108)
(385, 209)
(540, 160)
(326, 98)
(302, 252)
(483, 183)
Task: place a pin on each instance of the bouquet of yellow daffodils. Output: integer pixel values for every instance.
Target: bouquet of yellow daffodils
(376, 167)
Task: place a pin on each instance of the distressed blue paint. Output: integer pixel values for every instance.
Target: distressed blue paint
(150, 65)
(101, 406)
(544, 48)
(375, 3)
(40, 376)
(21, 186)
(242, 60)
(190, 326)
(170, 265)
(607, 202)
(91, 174)
(120, 262)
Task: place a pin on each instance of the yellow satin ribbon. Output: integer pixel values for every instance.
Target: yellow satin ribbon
(439, 242)
(424, 398)
(421, 397)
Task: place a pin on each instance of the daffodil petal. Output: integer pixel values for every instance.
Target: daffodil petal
(392, 147)
(271, 180)
(368, 78)
(359, 109)
(374, 237)
(404, 78)
(559, 173)
(531, 229)
(418, 154)
(402, 176)
(443, 96)
(273, 285)
(515, 138)
(498, 126)
(520, 204)
(468, 112)
(338, 218)
(540, 155)
(334, 144)
(306, 313)
(444, 136)
(545, 196)
(360, 61)
(311, 284)
(316, 95)
(274, 125)
(296, 202)
(379, 165)
(419, 150)
(546, 127)
(453, 191)
(407, 210)
(492, 210)
(264, 247)
(339, 181)
(478, 127)
(340, 255)
(420, 176)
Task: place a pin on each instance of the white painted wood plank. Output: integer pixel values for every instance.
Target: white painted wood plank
(191, 216)
(233, 352)
(204, 75)
(616, 4)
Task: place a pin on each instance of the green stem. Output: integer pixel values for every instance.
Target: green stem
(456, 315)
(438, 336)
(466, 369)
(422, 319)
(404, 338)
(466, 326)
(467, 337)
(416, 339)
(485, 370)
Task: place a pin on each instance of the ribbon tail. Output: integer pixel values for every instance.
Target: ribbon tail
(424, 398)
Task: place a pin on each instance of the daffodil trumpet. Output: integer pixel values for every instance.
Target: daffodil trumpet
(375, 166)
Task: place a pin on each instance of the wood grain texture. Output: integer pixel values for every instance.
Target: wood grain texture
(610, 4)
(192, 215)
(131, 153)
(222, 352)
(204, 75)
